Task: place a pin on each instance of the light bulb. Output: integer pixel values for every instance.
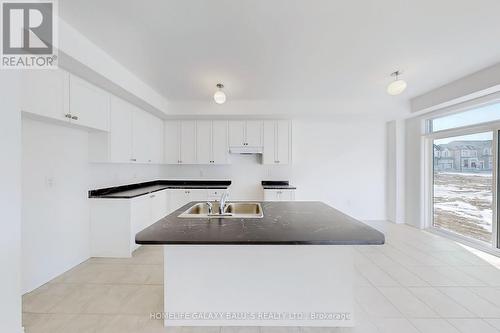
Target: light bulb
(396, 87)
(219, 97)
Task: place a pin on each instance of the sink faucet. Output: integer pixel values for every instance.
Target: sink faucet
(210, 207)
(222, 204)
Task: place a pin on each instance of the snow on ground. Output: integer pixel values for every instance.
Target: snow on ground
(463, 203)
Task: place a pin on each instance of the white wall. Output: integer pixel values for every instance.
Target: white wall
(414, 207)
(339, 161)
(395, 202)
(10, 203)
(56, 179)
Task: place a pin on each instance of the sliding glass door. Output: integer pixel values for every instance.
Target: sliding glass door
(463, 185)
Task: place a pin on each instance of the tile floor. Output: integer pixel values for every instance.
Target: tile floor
(417, 282)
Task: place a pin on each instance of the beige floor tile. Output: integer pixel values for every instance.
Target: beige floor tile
(472, 325)
(147, 299)
(45, 298)
(407, 303)
(472, 302)
(433, 326)
(110, 299)
(444, 305)
(397, 325)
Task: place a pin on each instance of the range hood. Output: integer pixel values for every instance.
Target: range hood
(245, 150)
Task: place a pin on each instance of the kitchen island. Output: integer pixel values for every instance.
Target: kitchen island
(292, 267)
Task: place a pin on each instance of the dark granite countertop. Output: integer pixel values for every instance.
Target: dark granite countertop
(138, 189)
(277, 185)
(284, 223)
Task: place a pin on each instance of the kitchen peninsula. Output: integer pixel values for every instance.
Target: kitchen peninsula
(291, 267)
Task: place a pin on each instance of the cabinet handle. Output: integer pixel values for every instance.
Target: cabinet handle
(68, 115)
(74, 117)
(149, 160)
(133, 159)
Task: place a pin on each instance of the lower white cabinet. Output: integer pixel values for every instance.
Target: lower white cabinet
(180, 197)
(114, 222)
(279, 195)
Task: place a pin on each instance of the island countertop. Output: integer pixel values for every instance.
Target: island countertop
(284, 223)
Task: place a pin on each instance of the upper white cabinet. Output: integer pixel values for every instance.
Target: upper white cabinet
(277, 142)
(188, 142)
(147, 137)
(88, 104)
(46, 93)
(245, 133)
(180, 142)
(172, 142)
(211, 142)
(134, 136)
(58, 95)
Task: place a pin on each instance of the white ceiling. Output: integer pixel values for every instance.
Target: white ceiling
(284, 50)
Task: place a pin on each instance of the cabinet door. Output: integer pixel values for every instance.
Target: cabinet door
(46, 93)
(177, 199)
(219, 142)
(171, 143)
(204, 142)
(188, 142)
(120, 131)
(156, 140)
(236, 133)
(282, 142)
(270, 195)
(88, 104)
(197, 195)
(288, 195)
(140, 216)
(159, 208)
(253, 133)
(140, 136)
(269, 156)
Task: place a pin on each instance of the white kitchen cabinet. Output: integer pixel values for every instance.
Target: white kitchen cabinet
(253, 133)
(172, 142)
(180, 142)
(155, 140)
(211, 142)
(46, 93)
(88, 104)
(180, 197)
(58, 95)
(120, 131)
(204, 142)
(141, 216)
(147, 137)
(134, 136)
(159, 205)
(279, 195)
(245, 133)
(277, 142)
(188, 142)
(236, 130)
(219, 142)
(115, 222)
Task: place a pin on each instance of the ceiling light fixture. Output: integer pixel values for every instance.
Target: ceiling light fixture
(219, 96)
(397, 86)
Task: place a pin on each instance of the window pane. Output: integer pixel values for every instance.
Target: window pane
(463, 185)
(476, 116)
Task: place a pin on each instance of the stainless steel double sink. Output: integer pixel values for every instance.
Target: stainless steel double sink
(235, 210)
